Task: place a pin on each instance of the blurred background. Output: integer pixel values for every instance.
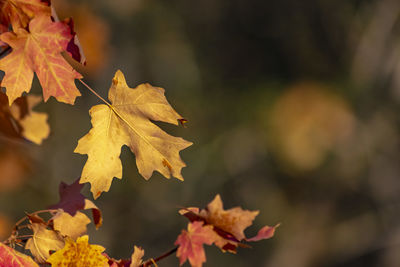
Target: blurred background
(293, 109)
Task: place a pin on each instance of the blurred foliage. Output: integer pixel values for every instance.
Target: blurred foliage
(293, 110)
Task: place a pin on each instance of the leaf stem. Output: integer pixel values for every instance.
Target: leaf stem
(95, 93)
(152, 261)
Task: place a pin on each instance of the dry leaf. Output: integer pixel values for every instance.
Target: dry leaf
(43, 241)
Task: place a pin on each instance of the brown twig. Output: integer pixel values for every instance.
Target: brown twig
(151, 261)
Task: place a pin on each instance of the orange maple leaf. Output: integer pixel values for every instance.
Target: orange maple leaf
(18, 12)
(39, 50)
(228, 224)
(191, 243)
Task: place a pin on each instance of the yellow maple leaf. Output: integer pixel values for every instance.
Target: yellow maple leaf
(126, 121)
(79, 254)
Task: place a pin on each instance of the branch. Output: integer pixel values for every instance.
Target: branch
(152, 261)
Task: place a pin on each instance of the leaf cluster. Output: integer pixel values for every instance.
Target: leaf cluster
(35, 42)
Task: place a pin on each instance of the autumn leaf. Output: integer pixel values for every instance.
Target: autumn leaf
(191, 242)
(20, 121)
(127, 121)
(39, 51)
(71, 201)
(71, 226)
(34, 124)
(12, 258)
(136, 258)
(79, 254)
(19, 12)
(43, 241)
(233, 221)
(228, 224)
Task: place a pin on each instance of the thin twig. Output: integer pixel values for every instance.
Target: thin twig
(152, 261)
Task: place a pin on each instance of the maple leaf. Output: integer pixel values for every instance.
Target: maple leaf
(79, 254)
(233, 221)
(43, 241)
(71, 226)
(127, 122)
(20, 121)
(19, 12)
(136, 258)
(191, 242)
(12, 258)
(39, 50)
(228, 224)
(71, 201)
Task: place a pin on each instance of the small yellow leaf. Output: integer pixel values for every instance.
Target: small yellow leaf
(79, 254)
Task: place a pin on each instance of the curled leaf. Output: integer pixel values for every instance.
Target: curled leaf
(43, 241)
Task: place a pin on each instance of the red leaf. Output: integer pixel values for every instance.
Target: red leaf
(191, 243)
(12, 258)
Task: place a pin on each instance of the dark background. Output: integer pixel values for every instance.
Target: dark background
(293, 111)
